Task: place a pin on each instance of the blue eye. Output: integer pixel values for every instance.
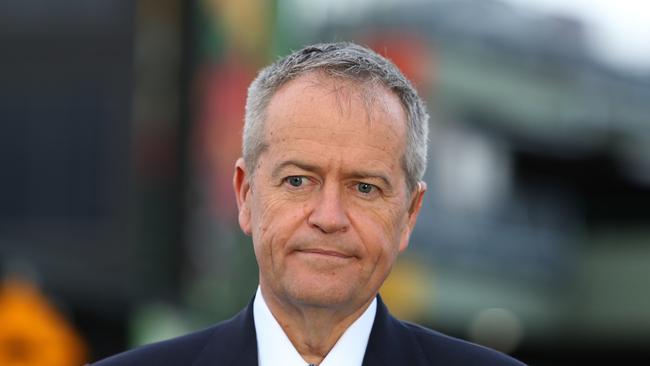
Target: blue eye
(364, 187)
(295, 181)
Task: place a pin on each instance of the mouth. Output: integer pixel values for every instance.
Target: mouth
(328, 253)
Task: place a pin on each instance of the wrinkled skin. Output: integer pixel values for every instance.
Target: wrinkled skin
(328, 206)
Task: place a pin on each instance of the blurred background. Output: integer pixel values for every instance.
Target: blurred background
(120, 122)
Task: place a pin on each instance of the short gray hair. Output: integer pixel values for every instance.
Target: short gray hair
(342, 60)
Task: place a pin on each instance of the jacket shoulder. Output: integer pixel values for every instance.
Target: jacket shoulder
(219, 344)
(448, 350)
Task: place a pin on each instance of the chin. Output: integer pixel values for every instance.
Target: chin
(320, 294)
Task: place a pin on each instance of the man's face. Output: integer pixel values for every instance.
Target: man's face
(328, 207)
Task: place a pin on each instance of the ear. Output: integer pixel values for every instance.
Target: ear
(413, 212)
(242, 188)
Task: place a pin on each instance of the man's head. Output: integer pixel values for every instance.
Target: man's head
(329, 186)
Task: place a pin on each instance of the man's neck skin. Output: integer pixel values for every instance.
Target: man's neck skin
(313, 331)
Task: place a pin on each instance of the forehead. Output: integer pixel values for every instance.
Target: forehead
(317, 100)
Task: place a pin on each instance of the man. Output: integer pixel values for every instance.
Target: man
(329, 188)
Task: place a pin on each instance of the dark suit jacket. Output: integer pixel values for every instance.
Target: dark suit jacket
(233, 342)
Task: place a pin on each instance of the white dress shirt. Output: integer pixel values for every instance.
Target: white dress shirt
(275, 349)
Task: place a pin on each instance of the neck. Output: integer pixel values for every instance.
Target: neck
(313, 330)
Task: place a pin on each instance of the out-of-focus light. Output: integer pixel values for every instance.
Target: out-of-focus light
(32, 332)
(497, 328)
(471, 171)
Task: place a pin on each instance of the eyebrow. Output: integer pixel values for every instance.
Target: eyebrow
(369, 174)
(296, 163)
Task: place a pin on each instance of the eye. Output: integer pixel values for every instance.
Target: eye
(295, 180)
(365, 188)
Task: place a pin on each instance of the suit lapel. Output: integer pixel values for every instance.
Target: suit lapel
(234, 342)
(390, 342)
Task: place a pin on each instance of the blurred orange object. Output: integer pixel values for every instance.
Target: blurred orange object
(32, 333)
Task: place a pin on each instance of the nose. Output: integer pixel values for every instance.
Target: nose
(328, 213)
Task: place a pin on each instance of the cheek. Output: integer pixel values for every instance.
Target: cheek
(380, 232)
(264, 209)
(387, 220)
(274, 221)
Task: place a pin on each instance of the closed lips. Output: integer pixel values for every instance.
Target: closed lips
(325, 252)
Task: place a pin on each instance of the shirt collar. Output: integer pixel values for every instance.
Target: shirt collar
(275, 348)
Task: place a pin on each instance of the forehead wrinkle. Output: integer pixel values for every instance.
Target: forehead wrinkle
(350, 131)
(335, 143)
(331, 139)
(372, 167)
